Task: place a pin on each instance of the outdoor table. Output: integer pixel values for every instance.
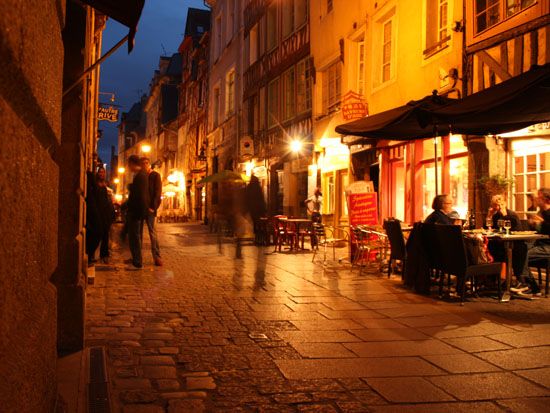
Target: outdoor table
(299, 222)
(508, 241)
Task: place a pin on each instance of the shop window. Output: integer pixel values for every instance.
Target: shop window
(273, 103)
(458, 184)
(531, 171)
(289, 97)
(303, 86)
(437, 26)
(332, 88)
(456, 145)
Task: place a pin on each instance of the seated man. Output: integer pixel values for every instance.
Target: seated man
(442, 205)
(540, 248)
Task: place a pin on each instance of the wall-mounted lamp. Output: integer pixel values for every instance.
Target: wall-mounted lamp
(458, 26)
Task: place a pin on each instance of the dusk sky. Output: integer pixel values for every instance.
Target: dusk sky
(160, 31)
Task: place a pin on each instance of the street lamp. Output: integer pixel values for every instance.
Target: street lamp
(116, 181)
(145, 148)
(296, 145)
(121, 170)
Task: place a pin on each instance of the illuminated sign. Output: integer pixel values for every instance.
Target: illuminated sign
(108, 113)
(354, 106)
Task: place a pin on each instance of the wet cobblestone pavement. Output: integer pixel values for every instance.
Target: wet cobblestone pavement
(273, 332)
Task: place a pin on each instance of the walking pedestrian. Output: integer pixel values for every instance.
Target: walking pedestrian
(106, 213)
(155, 193)
(138, 205)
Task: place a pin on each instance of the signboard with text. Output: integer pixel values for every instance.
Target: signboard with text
(363, 208)
(354, 106)
(108, 113)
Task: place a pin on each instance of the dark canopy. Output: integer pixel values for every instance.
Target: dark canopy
(511, 105)
(401, 123)
(126, 12)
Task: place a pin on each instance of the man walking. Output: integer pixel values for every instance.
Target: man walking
(155, 192)
(138, 205)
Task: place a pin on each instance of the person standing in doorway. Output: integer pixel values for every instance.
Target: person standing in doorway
(155, 193)
(316, 201)
(106, 211)
(138, 206)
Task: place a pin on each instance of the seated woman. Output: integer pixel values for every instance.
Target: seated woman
(498, 210)
(442, 206)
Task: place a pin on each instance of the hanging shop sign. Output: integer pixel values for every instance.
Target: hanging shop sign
(108, 113)
(247, 146)
(354, 106)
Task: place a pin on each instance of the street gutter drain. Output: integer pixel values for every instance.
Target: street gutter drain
(98, 390)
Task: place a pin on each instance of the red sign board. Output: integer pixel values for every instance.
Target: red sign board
(363, 208)
(354, 106)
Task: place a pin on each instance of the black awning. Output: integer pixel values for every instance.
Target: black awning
(407, 122)
(126, 12)
(511, 105)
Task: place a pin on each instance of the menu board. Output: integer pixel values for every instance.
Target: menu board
(363, 208)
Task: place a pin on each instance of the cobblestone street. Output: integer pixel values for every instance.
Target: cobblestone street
(272, 332)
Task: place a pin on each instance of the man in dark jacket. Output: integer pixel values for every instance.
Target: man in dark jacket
(155, 192)
(138, 205)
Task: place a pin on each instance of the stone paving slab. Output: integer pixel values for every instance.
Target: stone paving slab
(358, 367)
(488, 386)
(322, 350)
(461, 363)
(401, 348)
(523, 358)
(484, 407)
(408, 390)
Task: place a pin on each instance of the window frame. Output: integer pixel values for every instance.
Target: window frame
(230, 88)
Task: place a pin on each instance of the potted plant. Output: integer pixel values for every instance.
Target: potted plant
(495, 184)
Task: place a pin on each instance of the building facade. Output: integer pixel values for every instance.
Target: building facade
(192, 117)
(503, 40)
(48, 113)
(277, 140)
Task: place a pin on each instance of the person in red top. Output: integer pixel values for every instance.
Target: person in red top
(155, 192)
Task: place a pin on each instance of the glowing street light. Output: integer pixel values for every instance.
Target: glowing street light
(296, 146)
(145, 148)
(116, 181)
(121, 170)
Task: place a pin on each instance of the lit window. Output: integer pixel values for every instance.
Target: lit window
(361, 67)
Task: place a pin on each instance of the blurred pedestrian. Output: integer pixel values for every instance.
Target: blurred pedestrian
(155, 193)
(138, 206)
(256, 206)
(106, 212)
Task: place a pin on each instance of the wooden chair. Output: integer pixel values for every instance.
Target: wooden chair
(396, 239)
(539, 263)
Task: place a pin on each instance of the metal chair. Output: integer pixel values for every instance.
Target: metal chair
(325, 236)
(539, 263)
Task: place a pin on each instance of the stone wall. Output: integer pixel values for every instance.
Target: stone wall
(31, 52)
